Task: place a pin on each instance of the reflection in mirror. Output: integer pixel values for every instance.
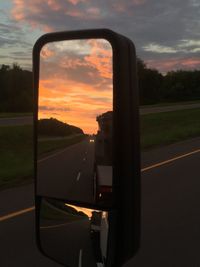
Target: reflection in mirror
(75, 121)
(72, 235)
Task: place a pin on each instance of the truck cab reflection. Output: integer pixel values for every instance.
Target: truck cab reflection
(72, 234)
(104, 158)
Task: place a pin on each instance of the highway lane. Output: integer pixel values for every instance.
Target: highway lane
(170, 215)
(143, 110)
(64, 241)
(68, 173)
(16, 121)
(18, 245)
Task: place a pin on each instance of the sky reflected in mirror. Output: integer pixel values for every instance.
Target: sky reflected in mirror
(76, 82)
(75, 121)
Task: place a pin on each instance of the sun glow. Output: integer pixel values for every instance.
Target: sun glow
(76, 82)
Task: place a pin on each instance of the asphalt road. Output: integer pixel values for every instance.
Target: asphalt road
(68, 174)
(143, 110)
(69, 242)
(148, 110)
(16, 121)
(170, 214)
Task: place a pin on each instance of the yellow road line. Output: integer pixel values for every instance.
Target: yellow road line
(17, 213)
(14, 214)
(169, 160)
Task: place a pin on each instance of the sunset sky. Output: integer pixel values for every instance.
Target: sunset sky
(166, 33)
(76, 82)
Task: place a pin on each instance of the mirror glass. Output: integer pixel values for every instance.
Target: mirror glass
(75, 121)
(73, 235)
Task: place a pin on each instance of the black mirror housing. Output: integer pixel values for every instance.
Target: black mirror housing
(124, 210)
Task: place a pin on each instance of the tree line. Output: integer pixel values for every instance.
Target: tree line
(54, 127)
(174, 86)
(16, 92)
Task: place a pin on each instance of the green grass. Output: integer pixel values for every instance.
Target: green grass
(13, 115)
(16, 142)
(169, 127)
(164, 104)
(52, 145)
(16, 154)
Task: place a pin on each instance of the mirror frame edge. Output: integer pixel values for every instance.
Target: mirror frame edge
(123, 54)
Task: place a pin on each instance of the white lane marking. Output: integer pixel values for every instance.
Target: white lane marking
(78, 176)
(14, 214)
(80, 258)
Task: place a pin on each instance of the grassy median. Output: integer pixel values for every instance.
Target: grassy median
(164, 104)
(14, 115)
(169, 127)
(47, 146)
(16, 142)
(16, 153)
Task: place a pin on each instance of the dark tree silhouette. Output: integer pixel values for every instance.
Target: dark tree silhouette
(54, 127)
(15, 89)
(16, 92)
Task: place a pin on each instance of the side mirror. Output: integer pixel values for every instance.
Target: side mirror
(87, 149)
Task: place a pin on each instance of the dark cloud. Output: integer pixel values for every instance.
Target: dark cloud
(4, 28)
(13, 43)
(71, 63)
(5, 42)
(146, 22)
(51, 108)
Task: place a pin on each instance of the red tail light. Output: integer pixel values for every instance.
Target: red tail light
(106, 189)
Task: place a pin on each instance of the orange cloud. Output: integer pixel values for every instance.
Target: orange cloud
(20, 6)
(33, 13)
(54, 5)
(46, 52)
(192, 63)
(75, 2)
(101, 57)
(88, 13)
(63, 95)
(74, 13)
(166, 65)
(77, 107)
(94, 12)
(40, 14)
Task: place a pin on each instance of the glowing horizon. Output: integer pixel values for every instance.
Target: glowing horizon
(76, 82)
